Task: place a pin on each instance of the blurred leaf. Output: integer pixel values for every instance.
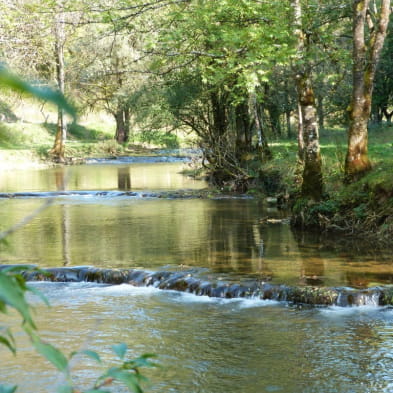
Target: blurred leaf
(120, 350)
(38, 293)
(51, 353)
(65, 389)
(91, 354)
(12, 294)
(131, 380)
(8, 388)
(11, 81)
(8, 342)
(142, 361)
(96, 391)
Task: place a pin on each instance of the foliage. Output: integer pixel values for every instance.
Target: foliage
(10, 81)
(158, 138)
(13, 290)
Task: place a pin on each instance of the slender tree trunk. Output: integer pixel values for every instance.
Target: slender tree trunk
(309, 150)
(320, 112)
(61, 129)
(300, 136)
(287, 111)
(366, 54)
(263, 149)
(288, 123)
(274, 113)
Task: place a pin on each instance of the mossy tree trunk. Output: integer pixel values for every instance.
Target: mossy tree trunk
(366, 53)
(308, 134)
(312, 180)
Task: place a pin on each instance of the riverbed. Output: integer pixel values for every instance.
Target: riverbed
(122, 215)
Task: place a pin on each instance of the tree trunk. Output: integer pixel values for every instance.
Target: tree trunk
(244, 126)
(388, 115)
(122, 125)
(58, 149)
(262, 146)
(219, 114)
(309, 150)
(273, 111)
(312, 182)
(365, 59)
(288, 123)
(321, 112)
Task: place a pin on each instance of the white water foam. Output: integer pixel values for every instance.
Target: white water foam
(186, 297)
(337, 311)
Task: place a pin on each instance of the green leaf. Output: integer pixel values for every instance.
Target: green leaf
(120, 350)
(8, 341)
(38, 293)
(51, 353)
(142, 361)
(12, 294)
(65, 389)
(8, 388)
(131, 380)
(96, 391)
(91, 354)
(11, 81)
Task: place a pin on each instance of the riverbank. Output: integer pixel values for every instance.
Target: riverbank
(362, 210)
(20, 159)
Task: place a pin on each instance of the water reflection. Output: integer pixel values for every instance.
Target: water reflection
(229, 237)
(157, 177)
(123, 178)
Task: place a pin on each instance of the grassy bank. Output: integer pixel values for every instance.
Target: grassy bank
(364, 208)
(24, 143)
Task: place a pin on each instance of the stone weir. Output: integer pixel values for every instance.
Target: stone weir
(186, 282)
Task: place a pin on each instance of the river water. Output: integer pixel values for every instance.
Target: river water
(203, 344)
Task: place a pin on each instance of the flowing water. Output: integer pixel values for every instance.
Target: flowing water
(115, 215)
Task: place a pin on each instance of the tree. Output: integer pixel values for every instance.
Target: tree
(383, 86)
(61, 131)
(229, 47)
(369, 31)
(308, 134)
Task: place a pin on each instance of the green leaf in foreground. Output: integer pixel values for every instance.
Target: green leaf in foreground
(8, 388)
(141, 361)
(11, 81)
(91, 354)
(120, 350)
(131, 380)
(12, 293)
(51, 353)
(8, 341)
(65, 389)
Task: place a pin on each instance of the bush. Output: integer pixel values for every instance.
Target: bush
(159, 138)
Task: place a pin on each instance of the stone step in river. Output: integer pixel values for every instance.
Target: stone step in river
(186, 281)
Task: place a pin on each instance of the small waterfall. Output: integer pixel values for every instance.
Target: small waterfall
(187, 282)
(367, 297)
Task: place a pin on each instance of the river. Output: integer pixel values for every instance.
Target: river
(119, 215)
